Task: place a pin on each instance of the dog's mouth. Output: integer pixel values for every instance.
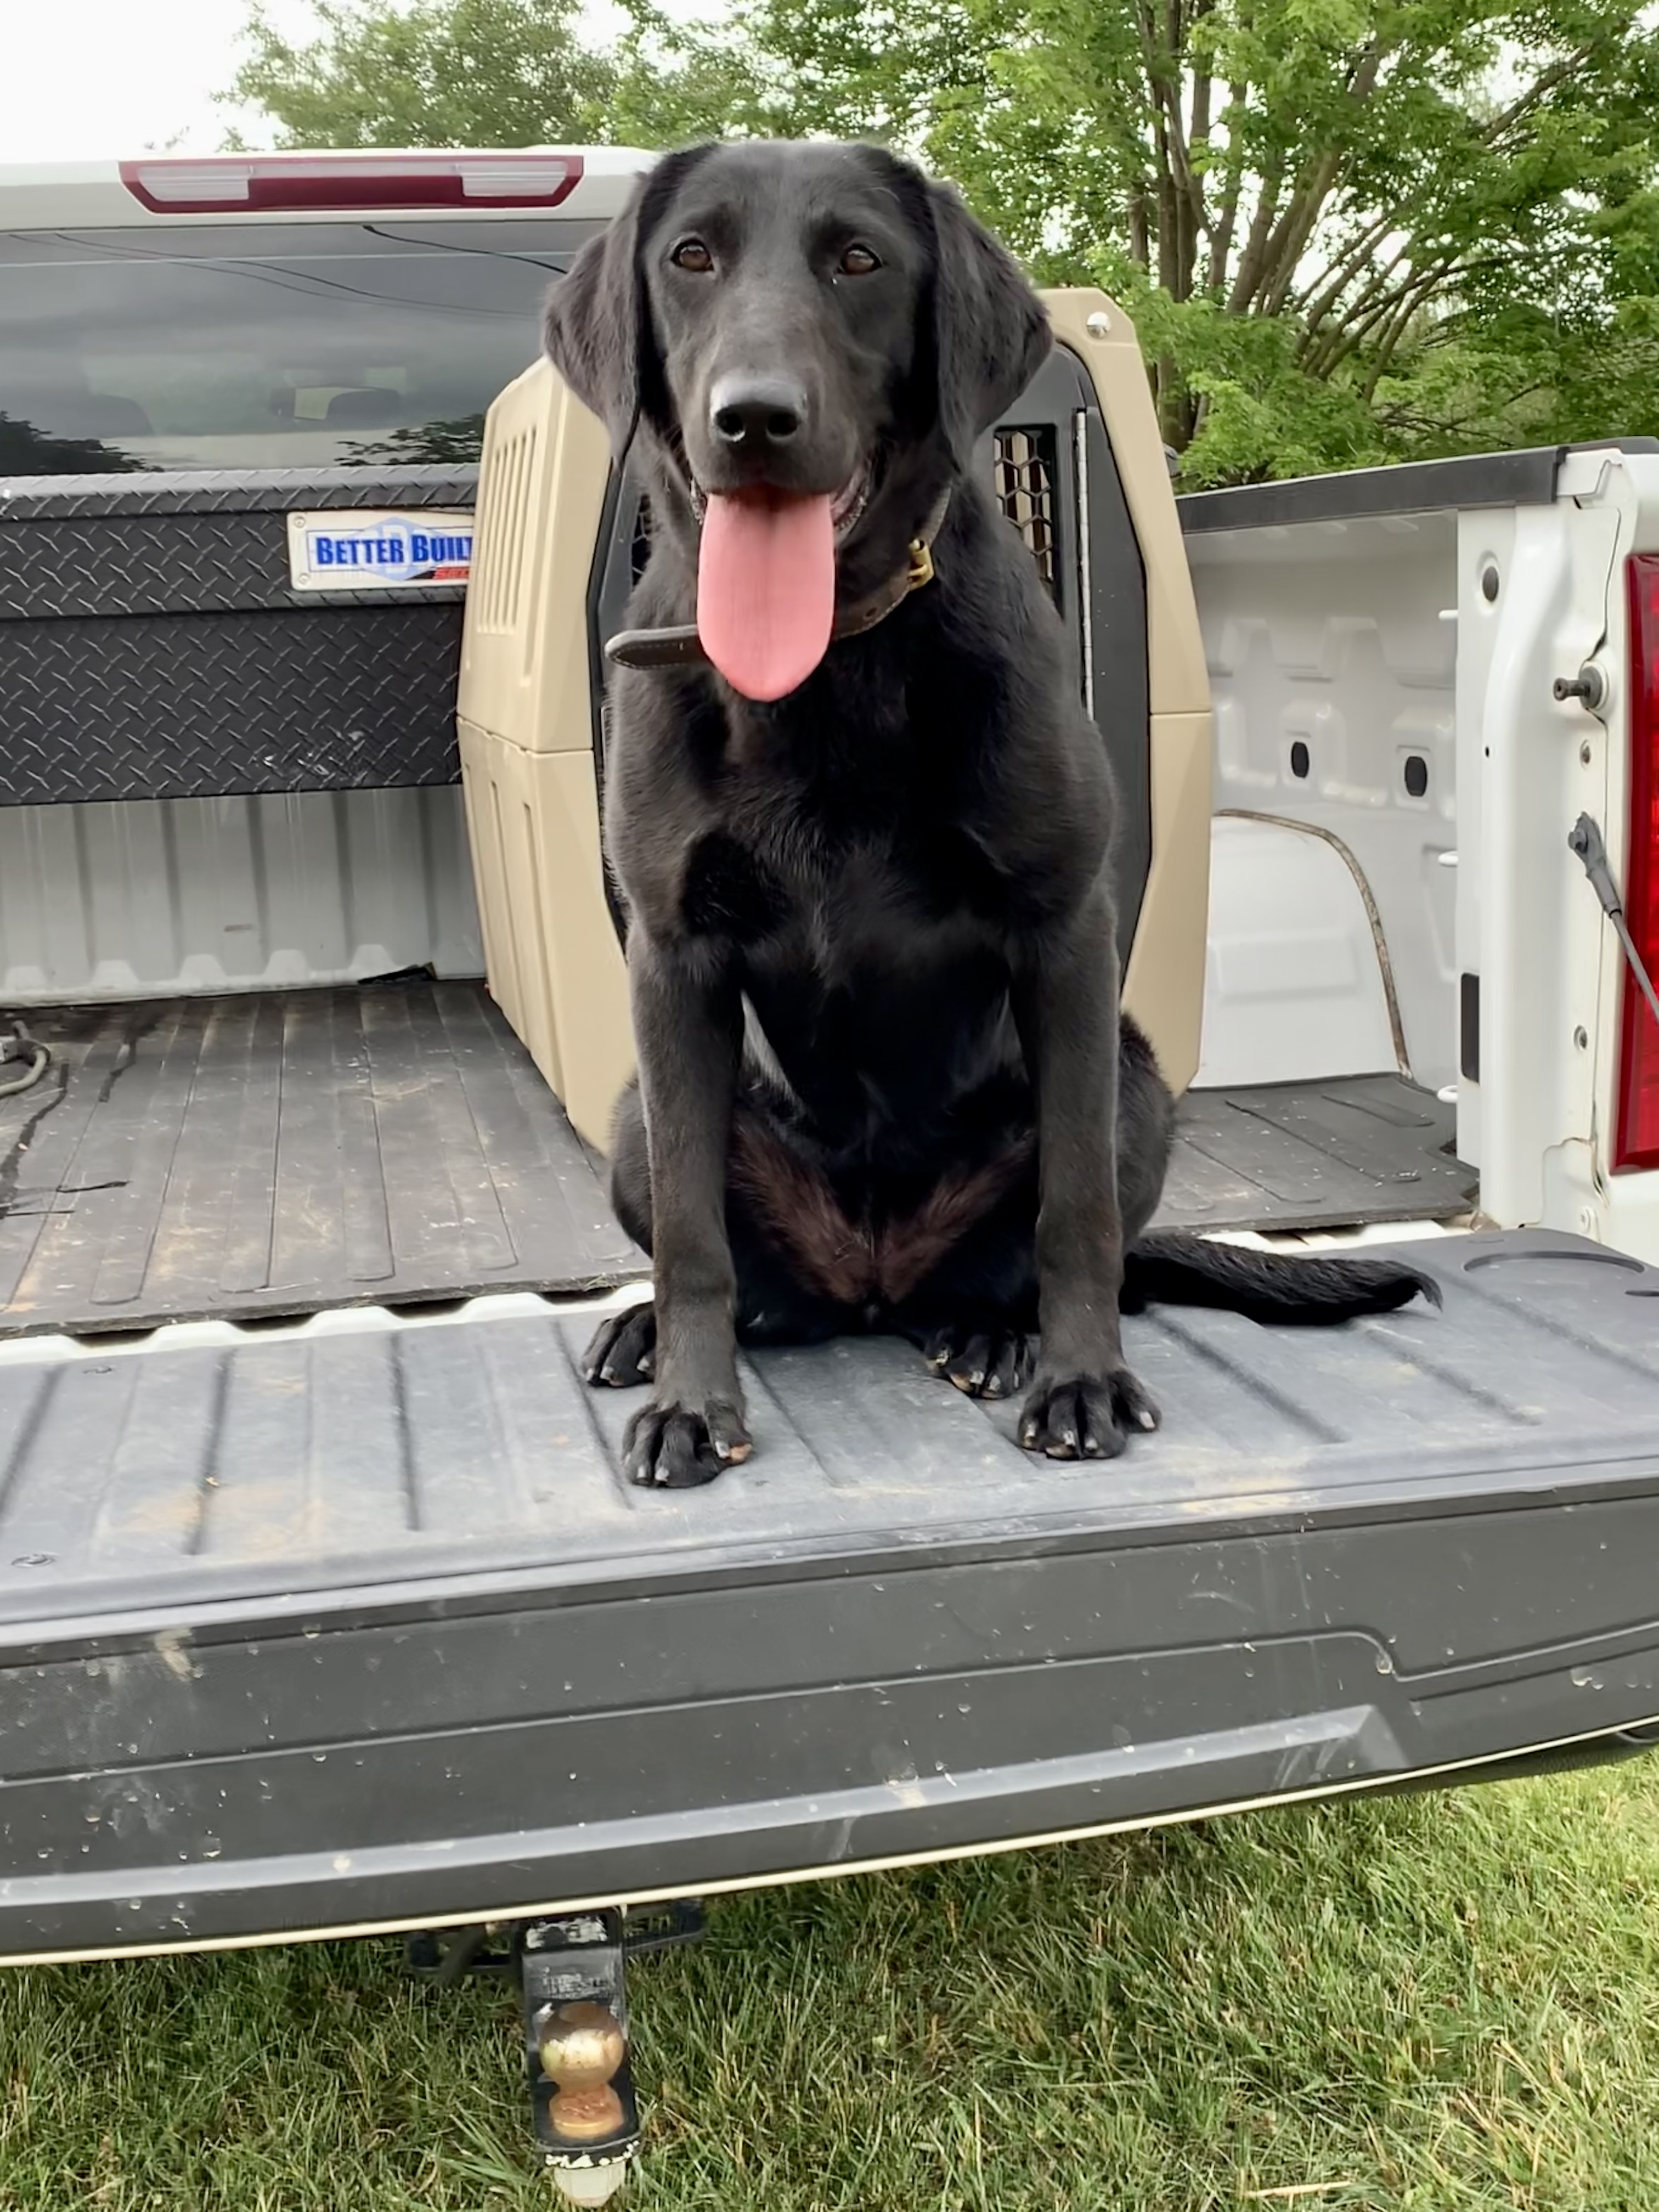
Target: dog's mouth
(847, 505)
(766, 578)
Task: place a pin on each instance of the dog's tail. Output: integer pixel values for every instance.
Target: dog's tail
(1172, 1267)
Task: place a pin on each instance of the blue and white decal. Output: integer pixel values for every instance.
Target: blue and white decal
(349, 549)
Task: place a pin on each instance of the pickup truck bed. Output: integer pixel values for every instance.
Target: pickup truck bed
(279, 1153)
(356, 1626)
(324, 1607)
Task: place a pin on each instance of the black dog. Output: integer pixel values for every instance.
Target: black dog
(861, 824)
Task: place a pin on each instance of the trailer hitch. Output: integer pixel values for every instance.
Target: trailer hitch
(581, 2082)
(571, 1970)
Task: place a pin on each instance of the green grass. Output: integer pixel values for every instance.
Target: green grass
(1443, 2002)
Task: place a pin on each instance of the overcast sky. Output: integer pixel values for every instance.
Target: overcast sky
(97, 78)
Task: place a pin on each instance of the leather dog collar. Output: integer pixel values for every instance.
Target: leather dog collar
(682, 647)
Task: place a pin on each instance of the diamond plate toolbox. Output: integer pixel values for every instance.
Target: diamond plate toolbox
(153, 645)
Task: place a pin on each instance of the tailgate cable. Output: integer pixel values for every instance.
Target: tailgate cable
(1585, 839)
(20, 1045)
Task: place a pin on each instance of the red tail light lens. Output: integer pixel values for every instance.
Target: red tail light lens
(294, 182)
(1637, 1137)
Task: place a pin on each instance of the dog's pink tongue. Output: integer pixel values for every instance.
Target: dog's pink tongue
(766, 589)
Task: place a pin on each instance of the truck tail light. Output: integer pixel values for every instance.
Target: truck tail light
(326, 183)
(1637, 1132)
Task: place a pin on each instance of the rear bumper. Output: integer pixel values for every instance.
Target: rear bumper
(472, 1757)
(1429, 1545)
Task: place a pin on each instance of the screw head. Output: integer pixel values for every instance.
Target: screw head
(1585, 755)
(1489, 582)
(1099, 325)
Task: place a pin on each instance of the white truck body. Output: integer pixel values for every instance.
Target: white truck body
(1396, 780)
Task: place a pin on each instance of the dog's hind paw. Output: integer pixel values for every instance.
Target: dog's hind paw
(1085, 1416)
(623, 1349)
(985, 1362)
(682, 1447)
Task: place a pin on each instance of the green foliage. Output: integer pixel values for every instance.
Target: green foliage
(435, 73)
(27, 452)
(1350, 231)
(457, 442)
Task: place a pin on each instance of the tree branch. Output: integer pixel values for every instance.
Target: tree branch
(1307, 202)
(1337, 277)
(1490, 133)
(1315, 340)
(1253, 259)
(1139, 237)
(1180, 197)
(1222, 229)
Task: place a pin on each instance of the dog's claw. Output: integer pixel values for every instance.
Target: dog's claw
(682, 1447)
(1085, 1416)
(623, 1351)
(981, 1362)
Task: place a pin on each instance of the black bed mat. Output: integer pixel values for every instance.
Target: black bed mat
(363, 1625)
(1324, 1155)
(283, 1152)
(277, 1152)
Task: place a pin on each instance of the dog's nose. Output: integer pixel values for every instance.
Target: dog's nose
(757, 413)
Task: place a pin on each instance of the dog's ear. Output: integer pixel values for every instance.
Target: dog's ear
(991, 332)
(597, 327)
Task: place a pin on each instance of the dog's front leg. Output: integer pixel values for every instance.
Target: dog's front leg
(1066, 1006)
(688, 1031)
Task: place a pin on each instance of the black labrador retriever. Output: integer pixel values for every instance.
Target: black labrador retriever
(861, 826)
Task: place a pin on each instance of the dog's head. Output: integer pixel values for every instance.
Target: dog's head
(808, 340)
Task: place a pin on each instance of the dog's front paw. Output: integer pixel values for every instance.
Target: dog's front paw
(1085, 1416)
(623, 1350)
(985, 1362)
(677, 1447)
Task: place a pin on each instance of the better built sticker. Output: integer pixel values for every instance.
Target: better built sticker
(349, 551)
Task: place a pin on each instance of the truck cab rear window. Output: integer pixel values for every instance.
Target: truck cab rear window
(265, 346)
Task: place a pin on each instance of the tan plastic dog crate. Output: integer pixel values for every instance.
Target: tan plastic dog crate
(546, 525)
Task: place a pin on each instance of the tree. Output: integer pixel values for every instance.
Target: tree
(1330, 218)
(27, 452)
(435, 73)
(423, 445)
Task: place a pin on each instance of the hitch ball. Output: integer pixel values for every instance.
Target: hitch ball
(582, 2047)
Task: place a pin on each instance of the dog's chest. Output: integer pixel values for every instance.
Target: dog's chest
(789, 889)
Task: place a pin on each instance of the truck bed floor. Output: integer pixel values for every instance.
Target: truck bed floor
(1324, 1155)
(280, 1152)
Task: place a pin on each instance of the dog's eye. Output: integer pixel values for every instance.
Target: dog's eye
(693, 255)
(859, 261)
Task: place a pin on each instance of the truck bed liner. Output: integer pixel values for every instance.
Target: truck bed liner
(1289, 1156)
(282, 1151)
(362, 1627)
